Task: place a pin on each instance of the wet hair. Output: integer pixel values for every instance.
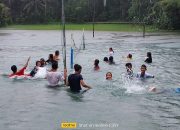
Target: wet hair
(14, 68)
(108, 73)
(96, 62)
(50, 56)
(110, 49)
(144, 66)
(129, 56)
(149, 54)
(77, 67)
(42, 61)
(56, 52)
(55, 65)
(37, 62)
(128, 64)
(105, 59)
(111, 59)
(149, 59)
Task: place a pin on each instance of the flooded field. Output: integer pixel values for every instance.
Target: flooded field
(122, 103)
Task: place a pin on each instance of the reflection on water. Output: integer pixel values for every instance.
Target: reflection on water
(31, 104)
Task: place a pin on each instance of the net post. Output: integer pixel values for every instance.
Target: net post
(72, 53)
(144, 29)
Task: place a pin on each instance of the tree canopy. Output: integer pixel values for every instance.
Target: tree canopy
(161, 13)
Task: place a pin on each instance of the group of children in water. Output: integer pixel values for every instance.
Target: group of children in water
(75, 81)
(39, 64)
(143, 74)
(53, 76)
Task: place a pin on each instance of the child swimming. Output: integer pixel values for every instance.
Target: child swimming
(149, 58)
(21, 71)
(143, 74)
(129, 69)
(34, 71)
(111, 52)
(106, 59)
(111, 60)
(108, 76)
(50, 59)
(96, 64)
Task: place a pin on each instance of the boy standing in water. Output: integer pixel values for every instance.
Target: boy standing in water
(20, 72)
(56, 56)
(143, 74)
(53, 76)
(75, 81)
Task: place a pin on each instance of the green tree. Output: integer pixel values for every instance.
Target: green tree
(171, 11)
(140, 10)
(4, 15)
(34, 11)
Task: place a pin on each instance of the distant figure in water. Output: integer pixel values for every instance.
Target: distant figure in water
(106, 59)
(96, 64)
(111, 52)
(143, 74)
(75, 81)
(129, 69)
(34, 71)
(50, 59)
(19, 72)
(149, 58)
(53, 76)
(129, 56)
(56, 56)
(108, 76)
(111, 60)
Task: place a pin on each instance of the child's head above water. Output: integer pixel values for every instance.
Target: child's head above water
(14, 69)
(56, 53)
(111, 59)
(105, 59)
(50, 56)
(129, 56)
(143, 68)
(110, 49)
(128, 65)
(38, 63)
(149, 55)
(108, 76)
(96, 62)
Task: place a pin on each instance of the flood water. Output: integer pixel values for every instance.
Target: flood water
(124, 104)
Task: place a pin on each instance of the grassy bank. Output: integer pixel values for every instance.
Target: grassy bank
(98, 27)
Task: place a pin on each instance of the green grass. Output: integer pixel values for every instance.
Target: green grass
(98, 27)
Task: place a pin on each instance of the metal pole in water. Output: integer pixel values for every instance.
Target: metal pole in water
(144, 29)
(83, 40)
(72, 53)
(93, 15)
(64, 36)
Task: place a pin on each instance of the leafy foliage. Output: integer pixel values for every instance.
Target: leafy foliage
(161, 13)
